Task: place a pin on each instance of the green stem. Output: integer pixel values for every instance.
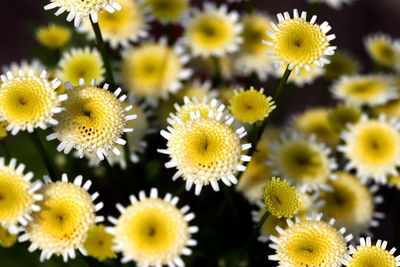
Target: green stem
(249, 6)
(260, 129)
(5, 149)
(262, 220)
(109, 77)
(218, 76)
(281, 84)
(103, 51)
(42, 152)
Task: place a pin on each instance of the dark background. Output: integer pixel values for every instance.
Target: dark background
(20, 18)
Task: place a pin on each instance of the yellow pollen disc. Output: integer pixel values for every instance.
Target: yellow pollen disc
(255, 27)
(151, 70)
(350, 203)
(372, 257)
(152, 232)
(299, 42)
(280, 199)
(67, 213)
(16, 199)
(81, 63)
(27, 101)
(93, 119)
(53, 36)
(99, 243)
(382, 50)
(303, 163)
(167, 10)
(251, 105)
(311, 243)
(204, 150)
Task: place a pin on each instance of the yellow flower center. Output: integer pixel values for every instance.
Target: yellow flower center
(27, 100)
(371, 257)
(303, 163)
(151, 70)
(210, 32)
(93, 119)
(53, 36)
(251, 106)
(377, 144)
(281, 200)
(7, 239)
(152, 231)
(15, 199)
(205, 149)
(99, 243)
(311, 243)
(299, 42)
(167, 10)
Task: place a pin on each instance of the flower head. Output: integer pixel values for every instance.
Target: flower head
(213, 31)
(369, 90)
(120, 27)
(153, 69)
(341, 64)
(29, 101)
(152, 231)
(167, 11)
(281, 199)
(67, 213)
(351, 203)
(372, 147)
(26, 66)
(298, 43)
(251, 105)
(78, 9)
(93, 122)
(302, 161)
(309, 242)
(382, 49)
(18, 195)
(391, 109)
(81, 63)
(205, 150)
(53, 36)
(367, 254)
(99, 243)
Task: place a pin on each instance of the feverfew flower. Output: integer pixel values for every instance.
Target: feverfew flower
(53, 36)
(93, 121)
(372, 148)
(29, 101)
(367, 254)
(212, 31)
(67, 213)
(309, 242)
(152, 231)
(205, 150)
(298, 43)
